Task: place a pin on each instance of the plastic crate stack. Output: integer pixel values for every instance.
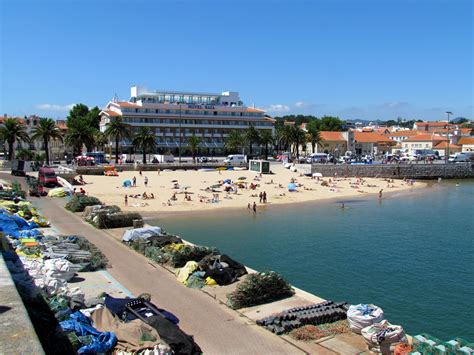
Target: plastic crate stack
(424, 344)
(321, 313)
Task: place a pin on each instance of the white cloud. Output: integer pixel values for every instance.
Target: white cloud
(394, 105)
(54, 107)
(277, 108)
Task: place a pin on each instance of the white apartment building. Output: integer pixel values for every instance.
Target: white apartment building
(176, 116)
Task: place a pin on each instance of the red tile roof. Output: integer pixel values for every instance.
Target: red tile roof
(444, 145)
(61, 124)
(111, 113)
(332, 136)
(371, 137)
(406, 133)
(425, 138)
(127, 104)
(466, 140)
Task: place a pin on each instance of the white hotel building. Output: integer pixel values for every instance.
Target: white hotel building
(176, 116)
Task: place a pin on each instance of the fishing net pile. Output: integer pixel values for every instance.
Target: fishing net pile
(259, 288)
(79, 202)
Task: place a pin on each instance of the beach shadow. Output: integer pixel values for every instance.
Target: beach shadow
(4, 309)
(76, 279)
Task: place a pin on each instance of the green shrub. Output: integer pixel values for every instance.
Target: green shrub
(79, 202)
(259, 288)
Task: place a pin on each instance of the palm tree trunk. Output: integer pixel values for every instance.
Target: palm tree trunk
(266, 151)
(250, 148)
(144, 155)
(313, 145)
(10, 150)
(116, 149)
(46, 150)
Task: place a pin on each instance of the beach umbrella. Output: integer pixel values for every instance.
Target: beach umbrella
(227, 181)
(291, 187)
(127, 183)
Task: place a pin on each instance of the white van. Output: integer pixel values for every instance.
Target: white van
(235, 159)
(317, 158)
(459, 157)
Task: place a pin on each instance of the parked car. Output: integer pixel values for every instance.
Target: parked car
(459, 158)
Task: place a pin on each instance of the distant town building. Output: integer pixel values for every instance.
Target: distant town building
(372, 143)
(175, 116)
(467, 144)
(433, 126)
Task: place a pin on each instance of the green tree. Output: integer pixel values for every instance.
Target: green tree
(194, 143)
(80, 133)
(313, 133)
(251, 136)
(24, 154)
(117, 129)
(46, 130)
(93, 117)
(100, 140)
(83, 125)
(39, 158)
(329, 123)
(298, 138)
(13, 131)
(234, 141)
(285, 137)
(266, 139)
(144, 139)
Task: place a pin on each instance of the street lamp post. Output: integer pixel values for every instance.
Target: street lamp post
(179, 148)
(447, 130)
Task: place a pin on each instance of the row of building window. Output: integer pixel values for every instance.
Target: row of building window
(416, 145)
(193, 112)
(195, 122)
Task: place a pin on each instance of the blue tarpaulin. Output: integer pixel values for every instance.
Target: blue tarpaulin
(81, 325)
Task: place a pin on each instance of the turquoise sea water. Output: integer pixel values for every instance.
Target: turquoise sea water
(411, 254)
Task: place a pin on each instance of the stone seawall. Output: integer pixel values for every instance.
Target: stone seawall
(396, 171)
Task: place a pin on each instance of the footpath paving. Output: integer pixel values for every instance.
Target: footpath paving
(216, 328)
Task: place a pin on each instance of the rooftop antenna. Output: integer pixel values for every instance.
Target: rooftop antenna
(115, 99)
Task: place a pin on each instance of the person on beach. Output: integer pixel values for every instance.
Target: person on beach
(126, 200)
(254, 208)
(380, 193)
(260, 195)
(146, 181)
(158, 171)
(264, 197)
(248, 206)
(134, 181)
(140, 172)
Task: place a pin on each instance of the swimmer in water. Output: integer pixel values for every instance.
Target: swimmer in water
(457, 184)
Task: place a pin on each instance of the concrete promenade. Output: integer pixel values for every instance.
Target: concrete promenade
(216, 328)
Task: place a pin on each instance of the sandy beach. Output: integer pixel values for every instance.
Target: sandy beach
(201, 187)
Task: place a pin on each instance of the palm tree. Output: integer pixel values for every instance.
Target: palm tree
(285, 135)
(24, 154)
(117, 129)
(100, 140)
(234, 141)
(80, 133)
(194, 143)
(251, 136)
(45, 131)
(313, 134)
(12, 131)
(298, 137)
(145, 139)
(266, 138)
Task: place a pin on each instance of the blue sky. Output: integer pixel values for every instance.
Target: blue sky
(357, 59)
